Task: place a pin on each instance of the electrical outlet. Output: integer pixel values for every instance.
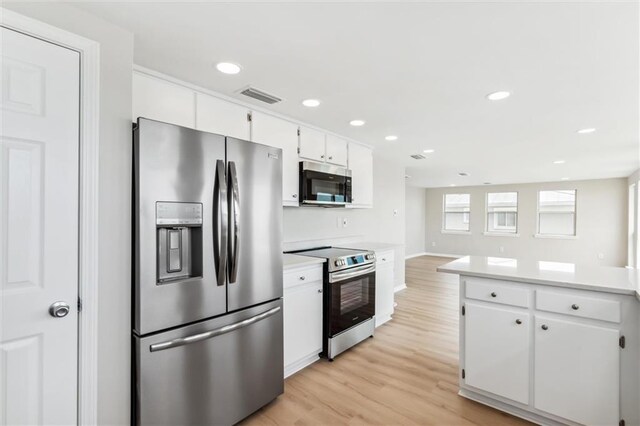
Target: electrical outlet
(345, 222)
(433, 243)
(395, 212)
(501, 249)
(600, 256)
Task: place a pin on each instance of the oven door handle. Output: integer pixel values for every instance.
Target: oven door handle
(335, 277)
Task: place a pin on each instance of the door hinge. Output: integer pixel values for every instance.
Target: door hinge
(298, 131)
(621, 422)
(298, 150)
(622, 341)
(463, 373)
(79, 305)
(463, 310)
(249, 117)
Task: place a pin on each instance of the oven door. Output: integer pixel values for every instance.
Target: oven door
(352, 298)
(321, 184)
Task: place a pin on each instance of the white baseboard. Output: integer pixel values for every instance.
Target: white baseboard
(296, 366)
(399, 287)
(424, 253)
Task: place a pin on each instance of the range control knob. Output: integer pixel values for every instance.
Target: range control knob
(337, 262)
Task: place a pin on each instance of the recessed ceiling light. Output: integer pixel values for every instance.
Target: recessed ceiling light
(391, 138)
(311, 103)
(559, 162)
(496, 96)
(565, 178)
(228, 67)
(357, 123)
(586, 131)
(463, 174)
(429, 151)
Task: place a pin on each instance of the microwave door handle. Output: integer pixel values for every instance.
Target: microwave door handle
(220, 230)
(234, 219)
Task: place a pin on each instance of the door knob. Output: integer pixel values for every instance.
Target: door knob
(59, 309)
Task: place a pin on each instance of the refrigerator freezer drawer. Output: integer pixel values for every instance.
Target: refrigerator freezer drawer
(215, 372)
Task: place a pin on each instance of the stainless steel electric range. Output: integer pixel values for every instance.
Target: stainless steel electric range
(349, 301)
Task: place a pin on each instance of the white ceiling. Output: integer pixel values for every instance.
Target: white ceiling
(421, 71)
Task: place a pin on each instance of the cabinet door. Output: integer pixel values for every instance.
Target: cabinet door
(336, 151)
(496, 351)
(577, 371)
(384, 293)
(163, 101)
(283, 134)
(224, 118)
(361, 165)
(312, 144)
(302, 322)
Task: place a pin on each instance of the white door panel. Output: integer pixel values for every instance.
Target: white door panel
(39, 104)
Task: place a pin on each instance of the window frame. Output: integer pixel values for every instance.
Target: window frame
(497, 231)
(573, 236)
(444, 229)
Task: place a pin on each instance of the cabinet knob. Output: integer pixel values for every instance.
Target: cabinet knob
(545, 327)
(302, 278)
(384, 259)
(319, 290)
(518, 321)
(330, 158)
(322, 156)
(295, 195)
(493, 294)
(575, 307)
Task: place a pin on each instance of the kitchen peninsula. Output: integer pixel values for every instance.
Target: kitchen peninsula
(551, 342)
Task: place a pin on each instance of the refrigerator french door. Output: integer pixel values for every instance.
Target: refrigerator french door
(207, 311)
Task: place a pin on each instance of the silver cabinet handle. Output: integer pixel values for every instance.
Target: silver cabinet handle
(295, 195)
(220, 218)
(545, 327)
(234, 215)
(575, 307)
(302, 278)
(322, 156)
(213, 333)
(493, 294)
(59, 309)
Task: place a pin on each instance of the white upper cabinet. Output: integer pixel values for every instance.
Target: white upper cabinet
(312, 144)
(224, 118)
(163, 101)
(336, 152)
(283, 134)
(361, 165)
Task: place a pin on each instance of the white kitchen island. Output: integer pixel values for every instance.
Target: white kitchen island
(555, 343)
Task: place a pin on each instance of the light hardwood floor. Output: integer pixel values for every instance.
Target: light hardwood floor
(407, 374)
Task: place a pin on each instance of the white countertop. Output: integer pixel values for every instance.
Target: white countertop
(295, 260)
(367, 245)
(586, 277)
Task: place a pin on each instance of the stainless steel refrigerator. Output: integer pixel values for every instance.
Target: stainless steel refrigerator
(207, 282)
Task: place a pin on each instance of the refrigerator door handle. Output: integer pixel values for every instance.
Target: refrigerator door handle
(212, 333)
(234, 218)
(220, 222)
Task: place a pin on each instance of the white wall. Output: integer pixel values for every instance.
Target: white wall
(633, 234)
(415, 225)
(116, 61)
(601, 224)
(378, 224)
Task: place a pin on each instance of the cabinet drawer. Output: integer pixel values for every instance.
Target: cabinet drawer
(497, 292)
(579, 305)
(302, 276)
(384, 257)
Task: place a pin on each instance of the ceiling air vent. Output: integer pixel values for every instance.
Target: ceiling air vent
(254, 93)
(418, 157)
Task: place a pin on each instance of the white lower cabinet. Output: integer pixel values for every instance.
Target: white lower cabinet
(302, 317)
(577, 371)
(497, 351)
(555, 355)
(384, 286)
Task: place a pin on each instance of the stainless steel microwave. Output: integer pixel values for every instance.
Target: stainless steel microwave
(324, 185)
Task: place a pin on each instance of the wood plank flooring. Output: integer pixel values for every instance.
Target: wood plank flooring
(407, 374)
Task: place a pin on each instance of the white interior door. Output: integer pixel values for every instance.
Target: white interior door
(39, 104)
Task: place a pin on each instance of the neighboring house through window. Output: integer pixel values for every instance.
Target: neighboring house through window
(557, 212)
(502, 212)
(456, 210)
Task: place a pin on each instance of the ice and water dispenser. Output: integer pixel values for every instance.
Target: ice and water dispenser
(179, 241)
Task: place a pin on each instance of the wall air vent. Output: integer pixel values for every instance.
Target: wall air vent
(418, 157)
(254, 93)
